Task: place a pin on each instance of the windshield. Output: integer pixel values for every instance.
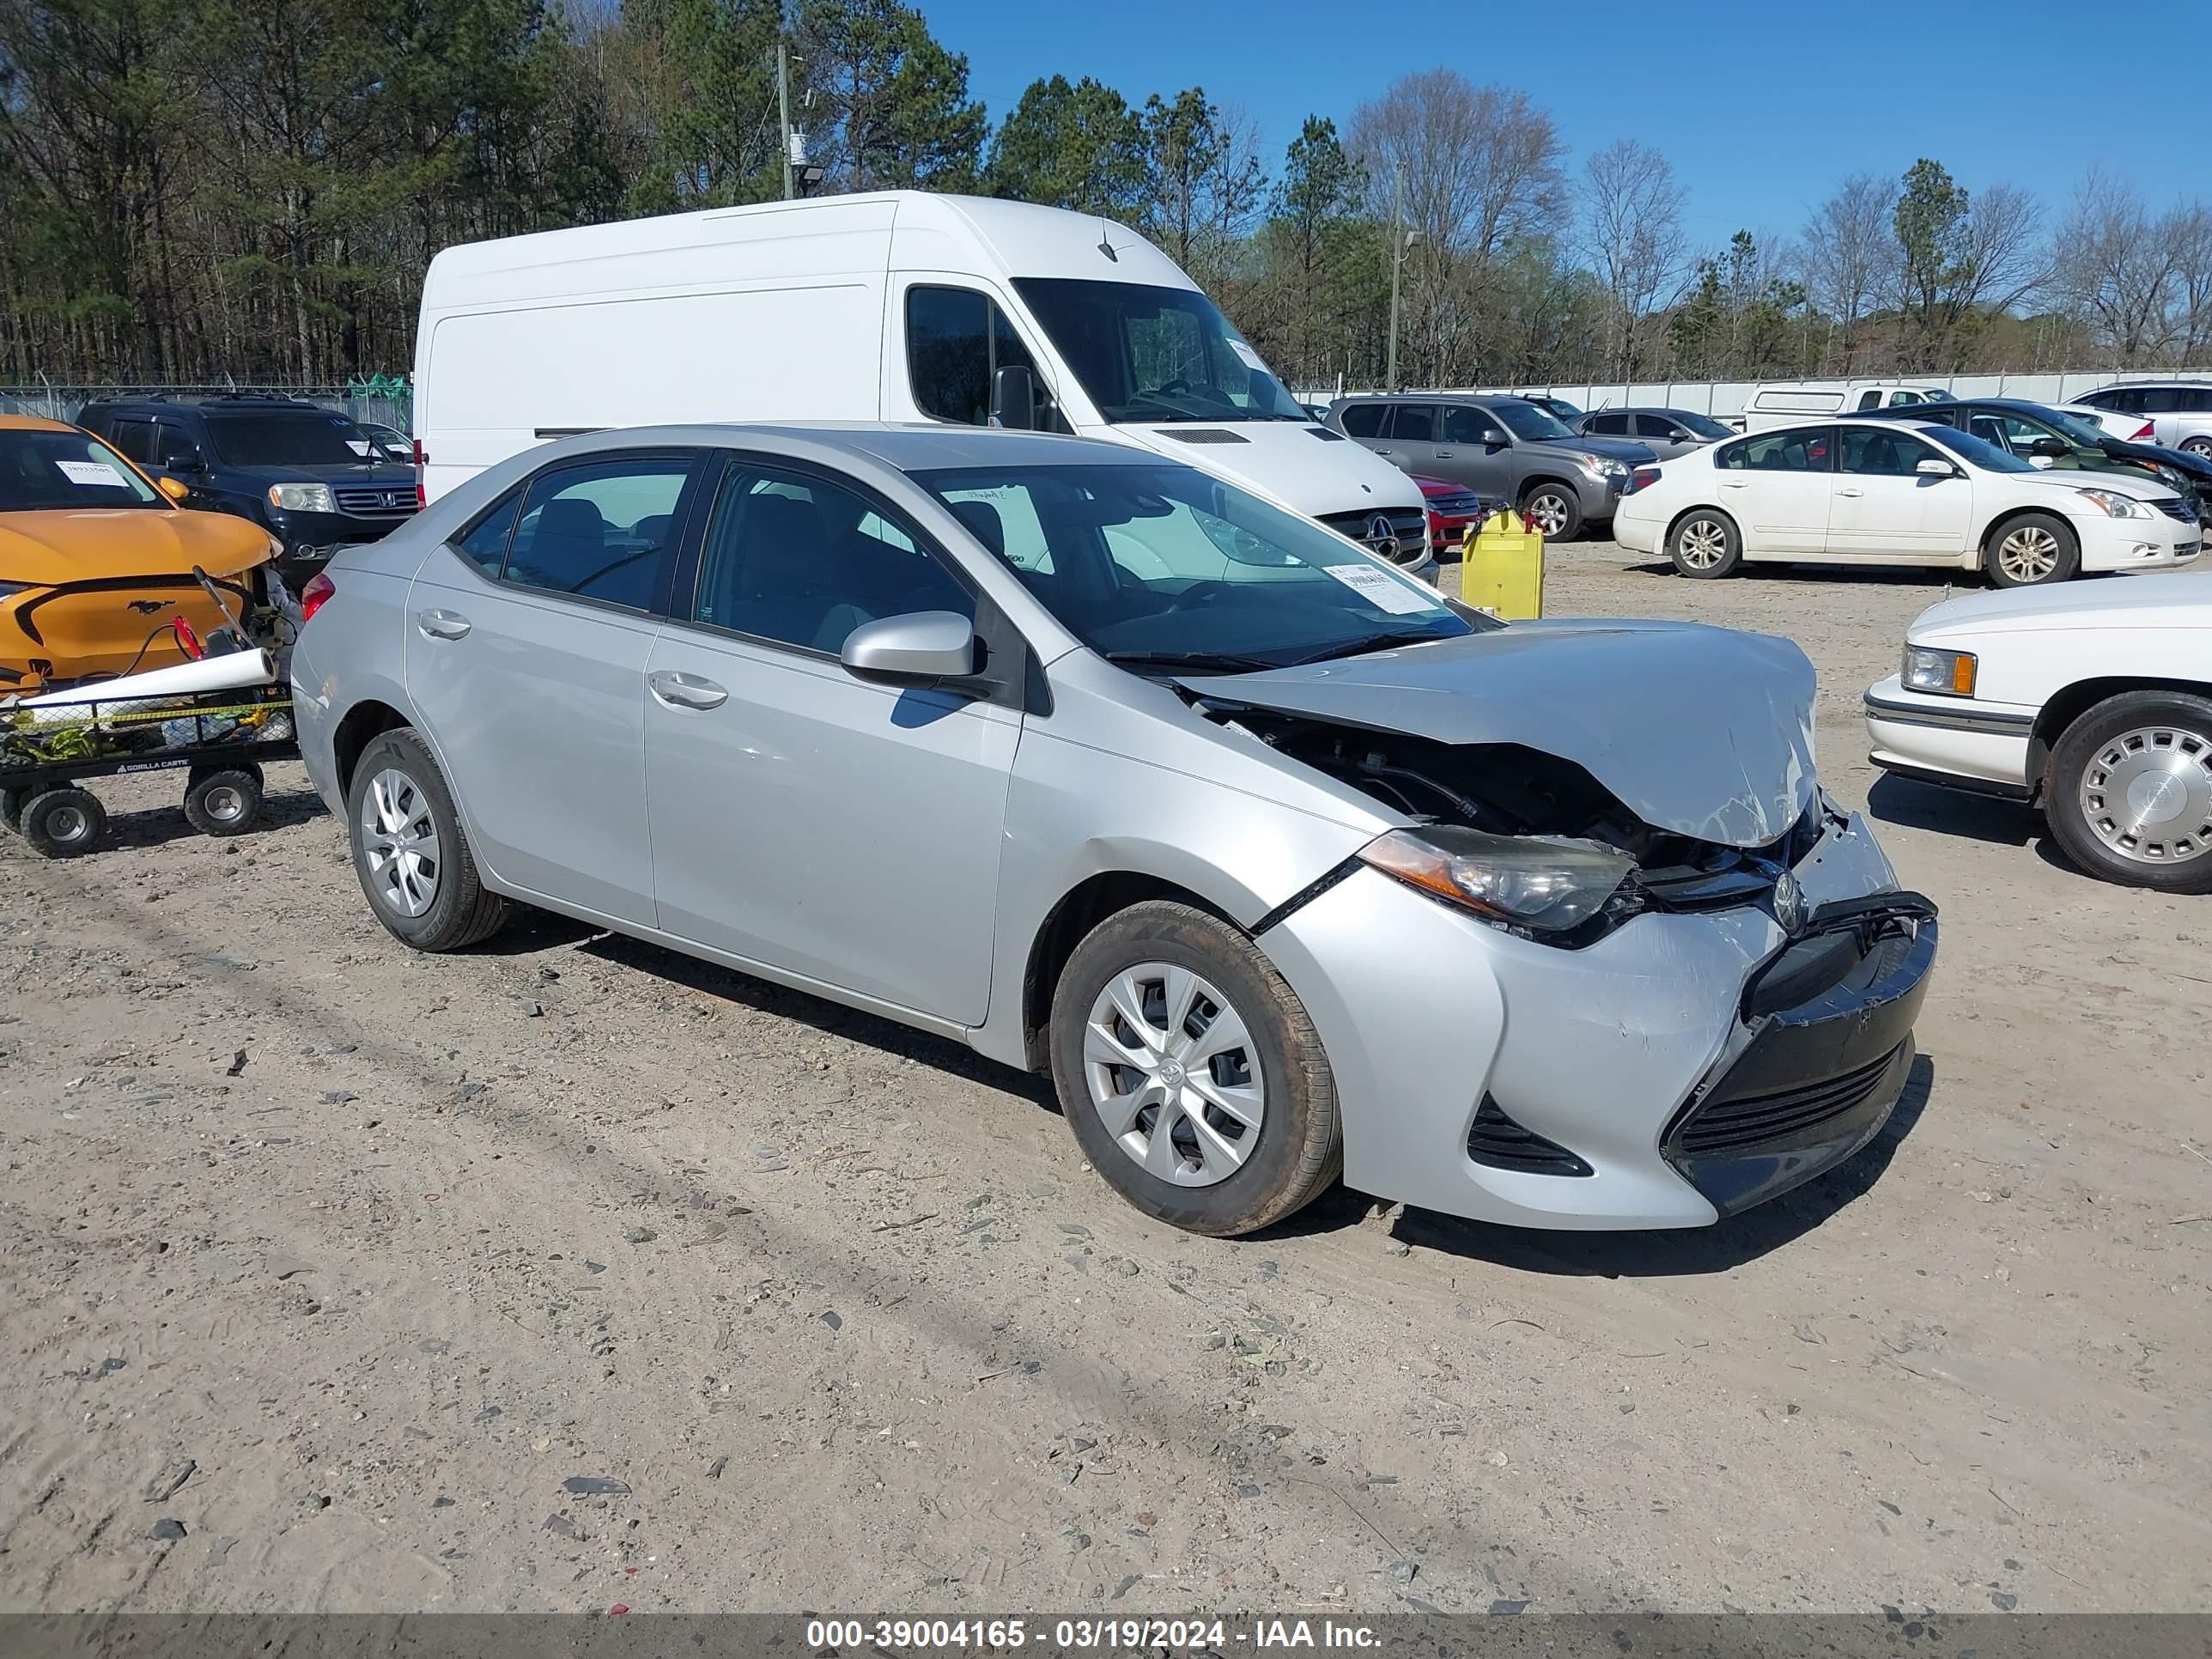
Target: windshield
(1702, 426)
(1162, 567)
(1146, 353)
(1529, 422)
(2085, 435)
(1561, 409)
(40, 472)
(308, 438)
(1980, 451)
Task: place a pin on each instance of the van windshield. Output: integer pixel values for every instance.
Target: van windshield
(1146, 354)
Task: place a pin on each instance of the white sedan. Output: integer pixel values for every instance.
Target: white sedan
(1889, 492)
(2094, 703)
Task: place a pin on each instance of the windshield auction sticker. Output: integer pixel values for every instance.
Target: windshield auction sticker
(97, 475)
(1380, 588)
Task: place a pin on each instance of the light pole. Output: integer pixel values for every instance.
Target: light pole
(783, 112)
(1400, 240)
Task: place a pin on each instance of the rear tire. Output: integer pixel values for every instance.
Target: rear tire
(2032, 551)
(65, 824)
(1555, 510)
(409, 851)
(12, 803)
(1704, 544)
(2199, 447)
(2129, 791)
(1208, 1019)
(226, 802)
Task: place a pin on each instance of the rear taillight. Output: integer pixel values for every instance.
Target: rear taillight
(320, 588)
(2145, 434)
(1644, 478)
(422, 460)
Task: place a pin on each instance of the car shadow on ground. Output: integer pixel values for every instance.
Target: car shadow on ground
(1675, 1253)
(1911, 805)
(1892, 575)
(157, 826)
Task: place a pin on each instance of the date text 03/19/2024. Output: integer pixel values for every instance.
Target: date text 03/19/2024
(1084, 1635)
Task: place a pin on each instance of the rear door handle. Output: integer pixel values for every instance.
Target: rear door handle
(1735, 483)
(686, 690)
(442, 624)
(1846, 490)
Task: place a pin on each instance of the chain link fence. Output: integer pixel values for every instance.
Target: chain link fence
(382, 400)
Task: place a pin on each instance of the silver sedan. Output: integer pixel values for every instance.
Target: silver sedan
(1276, 860)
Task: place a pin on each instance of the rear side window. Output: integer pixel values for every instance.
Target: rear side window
(1614, 425)
(1416, 424)
(600, 531)
(485, 543)
(956, 339)
(1798, 449)
(1364, 420)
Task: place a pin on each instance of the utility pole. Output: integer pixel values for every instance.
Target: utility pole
(783, 115)
(1397, 258)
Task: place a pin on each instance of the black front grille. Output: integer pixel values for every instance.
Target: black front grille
(1747, 1120)
(1410, 525)
(1455, 506)
(2175, 507)
(397, 503)
(1497, 1141)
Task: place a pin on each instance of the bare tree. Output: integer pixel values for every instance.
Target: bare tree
(1480, 169)
(1851, 258)
(2190, 230)
(1632, 212)
(2118, 267)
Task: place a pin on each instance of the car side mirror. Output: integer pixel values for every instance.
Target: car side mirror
(1932, 468)
(175, 489)
(1013, 399)
(185, 462)
(920, 649)
(1493, 439)
(2050, 449)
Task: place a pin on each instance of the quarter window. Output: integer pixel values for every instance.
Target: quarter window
(956, 339)
(801, 562)
(485, 544)
(600, 531)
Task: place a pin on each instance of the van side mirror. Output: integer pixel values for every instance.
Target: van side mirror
(920, 649)
(1932, 468)
(1013, 399)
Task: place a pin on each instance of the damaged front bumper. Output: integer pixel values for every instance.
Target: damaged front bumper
(1682, 1067)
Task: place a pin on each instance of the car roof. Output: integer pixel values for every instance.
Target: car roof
(919, 447)
(34, 423)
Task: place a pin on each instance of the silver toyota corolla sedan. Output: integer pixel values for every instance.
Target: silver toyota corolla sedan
(1278, 863)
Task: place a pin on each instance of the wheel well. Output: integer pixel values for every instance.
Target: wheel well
(2068, 704)
(2004, 521)
(1675, 523)
(1531, 485)
(363, 722)
(1083, 906)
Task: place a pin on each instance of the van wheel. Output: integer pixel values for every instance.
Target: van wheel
(409, 852)
(1190, 1074)
(62, 823)
(2129, 791)
(1705, 545)
(2032, 549)
(1555, 510)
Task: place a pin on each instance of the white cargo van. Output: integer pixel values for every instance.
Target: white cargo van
(1780, 404)
(900, 305)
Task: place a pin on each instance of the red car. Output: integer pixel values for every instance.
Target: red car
(1453, 509)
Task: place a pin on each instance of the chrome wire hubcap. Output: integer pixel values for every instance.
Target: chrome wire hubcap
(2147, 795)
(399, 840)
(1702, 545)
(1174, 1075)
(1549, 512)
(2029, 554)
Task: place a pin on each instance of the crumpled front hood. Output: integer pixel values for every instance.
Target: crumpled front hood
(1704, 732)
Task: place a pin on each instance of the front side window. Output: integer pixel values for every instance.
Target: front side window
(42, 471)
(1794, 449)
(795, 559)
(1882, 452)
(1365, 420)
(172, 444)
(1464, 425)
(133, 438)
(599, 531)
(956, 339)
(1530, 423)
(1897, 399)
(1987, 456)
(301, 438)
(1150, 354)
(1160, 566)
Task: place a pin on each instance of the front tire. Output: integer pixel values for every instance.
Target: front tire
(63, 824)
(1190, 1074)
(2032, 551)
(409, 851)
(1705, 545)
(1555, 510)
(2129, 791)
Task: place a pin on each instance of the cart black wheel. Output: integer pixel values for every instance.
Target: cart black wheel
(64, 822)
(224, 803)
(12, 802)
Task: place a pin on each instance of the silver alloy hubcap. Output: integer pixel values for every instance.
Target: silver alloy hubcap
(67, 823)
(1549, 512)
(2147, 795)
(224, 805)
(1173, 1074)
(399, 839)
(1702, 545)
(2028, 554)
(2199, 446)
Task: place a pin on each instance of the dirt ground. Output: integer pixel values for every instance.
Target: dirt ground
(570, 1274)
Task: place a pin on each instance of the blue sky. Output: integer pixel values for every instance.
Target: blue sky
(1760, 120)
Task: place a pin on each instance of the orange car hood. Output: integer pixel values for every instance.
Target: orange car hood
(53, 548)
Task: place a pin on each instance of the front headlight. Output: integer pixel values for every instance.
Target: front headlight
(1549, 883)
(2115, 504)
(302, 498)
(1600, 466)
(1951, 672)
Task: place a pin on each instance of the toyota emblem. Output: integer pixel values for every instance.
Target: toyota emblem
(1789, 903)
(1381, 537)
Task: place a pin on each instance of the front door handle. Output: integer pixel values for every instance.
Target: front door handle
(1844, 489)
(442, 624)
(1446, 454)
(686, 690)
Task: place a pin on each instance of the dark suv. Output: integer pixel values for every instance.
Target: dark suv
(304, 473)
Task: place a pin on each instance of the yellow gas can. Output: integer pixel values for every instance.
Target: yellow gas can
(1502, 567)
